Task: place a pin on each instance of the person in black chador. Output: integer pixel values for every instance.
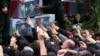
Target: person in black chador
(4, 19)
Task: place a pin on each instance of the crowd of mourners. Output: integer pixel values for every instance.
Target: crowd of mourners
(53, 42)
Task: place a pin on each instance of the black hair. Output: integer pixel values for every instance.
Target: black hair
(51, 54)
(85, 53)
(36, 47)
(26, 53)
(97, 33)
(22, 44)
(97, 53)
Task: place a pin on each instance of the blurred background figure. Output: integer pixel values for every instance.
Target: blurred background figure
(4, 19)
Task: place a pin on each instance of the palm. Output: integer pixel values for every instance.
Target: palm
(29, 22)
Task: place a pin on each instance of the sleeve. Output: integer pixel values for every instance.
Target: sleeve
(50, 47)
(34, 31)
(62, 31)
(10, 51)
(49, 6)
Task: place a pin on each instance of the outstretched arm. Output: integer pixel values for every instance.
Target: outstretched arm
(43, 50)
(1, 51)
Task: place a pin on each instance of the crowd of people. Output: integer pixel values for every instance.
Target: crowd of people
(53, 42)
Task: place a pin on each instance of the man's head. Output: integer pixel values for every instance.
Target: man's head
(23, 27)
(68, 44)
(26, 53)
(84, 53)
(97, 34)
(97, 53)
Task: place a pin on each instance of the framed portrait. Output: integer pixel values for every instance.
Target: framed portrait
(21, 10)
(30, 8)
(23, 28)
(44, 20)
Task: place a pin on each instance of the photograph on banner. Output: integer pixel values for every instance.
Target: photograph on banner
(44, 20)
(20, 25)
(13, 25)
(24, 29)
(28, 8)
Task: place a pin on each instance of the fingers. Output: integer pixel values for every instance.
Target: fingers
(1, 51)
(16, 33)
(13, 41)
(82, 45)
(29, 22)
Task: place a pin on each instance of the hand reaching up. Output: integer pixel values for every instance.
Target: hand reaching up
(78, 29)
(42, 34)
(54, 26)
(61, 52)
(29, 22)
(82, 45)
(13, 42)
(1, 51)
(16, 33)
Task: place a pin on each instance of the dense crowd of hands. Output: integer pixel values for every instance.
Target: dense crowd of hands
(84, 38)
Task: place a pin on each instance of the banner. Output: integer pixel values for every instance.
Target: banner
(24, 29)
(19, 10)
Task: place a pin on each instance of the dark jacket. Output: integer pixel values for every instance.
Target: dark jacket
(52, 6)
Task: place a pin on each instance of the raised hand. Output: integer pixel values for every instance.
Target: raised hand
(89, 38)
(29, 22)
(61, 52)
(82, 45)
(16, 33)
(78, 29)
(54, 26)
(43, 34)
(1, 51)
(13, 42)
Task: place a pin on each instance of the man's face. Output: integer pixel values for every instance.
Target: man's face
(64, 45)
(67, 44)
(23, 27)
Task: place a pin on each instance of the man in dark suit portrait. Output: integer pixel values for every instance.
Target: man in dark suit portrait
(24, 31)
